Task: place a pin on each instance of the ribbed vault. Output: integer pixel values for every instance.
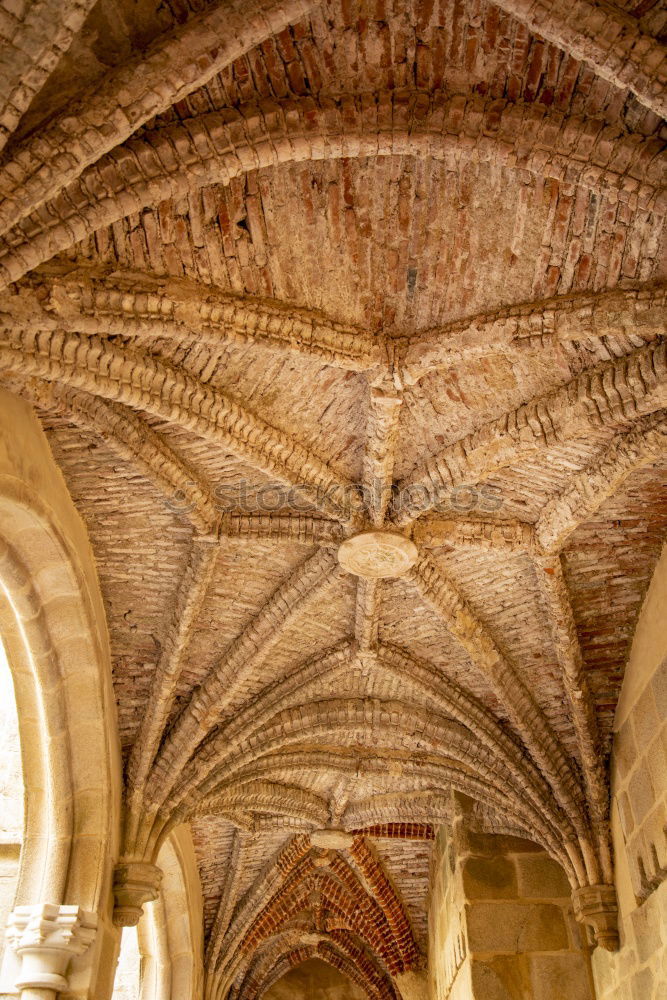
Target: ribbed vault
(344, 269)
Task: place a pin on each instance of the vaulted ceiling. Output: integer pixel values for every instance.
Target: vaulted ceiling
(281, 277)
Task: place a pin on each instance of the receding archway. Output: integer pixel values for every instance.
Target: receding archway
(314, 980)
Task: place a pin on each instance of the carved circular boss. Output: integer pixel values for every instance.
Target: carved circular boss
(377, 554)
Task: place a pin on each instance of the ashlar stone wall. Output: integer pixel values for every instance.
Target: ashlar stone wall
(501, 925)
(11, 794)
(314, 980)
(639, 812)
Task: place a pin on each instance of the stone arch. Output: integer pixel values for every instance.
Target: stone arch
(11, 793)
(171, 931)
(166, 162)
(53, 627)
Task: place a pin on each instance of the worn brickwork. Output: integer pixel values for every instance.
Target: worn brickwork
(346, 324)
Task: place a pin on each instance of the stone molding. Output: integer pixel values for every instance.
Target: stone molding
(597, 907)
(45, 937)
(135, 883)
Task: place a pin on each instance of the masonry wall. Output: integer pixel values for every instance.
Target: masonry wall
(500, 923)
(11, 794)
(314, 980)
(639, 812)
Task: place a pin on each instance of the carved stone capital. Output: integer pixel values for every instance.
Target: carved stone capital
(134, 884)
(597, 906)
(45, 937)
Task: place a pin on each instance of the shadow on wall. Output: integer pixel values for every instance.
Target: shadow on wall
(639, 812)
(314, 980)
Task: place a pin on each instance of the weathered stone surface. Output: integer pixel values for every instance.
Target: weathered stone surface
(346, 324)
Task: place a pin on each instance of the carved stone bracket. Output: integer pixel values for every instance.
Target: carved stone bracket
(597, 906)
(134, 884)
(45, 937)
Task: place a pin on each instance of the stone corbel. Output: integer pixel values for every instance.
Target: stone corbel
(45, 937)
(134, 884)
(597, 907)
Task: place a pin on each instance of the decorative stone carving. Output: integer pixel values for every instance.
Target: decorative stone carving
(45, 937)
(331, 840)
(597, 906)
(377, 554)
(134, 883)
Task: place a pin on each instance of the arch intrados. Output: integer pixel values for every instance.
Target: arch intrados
(262, 978)
(54, 651)
(333, 957)
(365, 913)
(221, 151)
(287, 731)
(171, 929)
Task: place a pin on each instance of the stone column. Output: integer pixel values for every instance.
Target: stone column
(43, 939)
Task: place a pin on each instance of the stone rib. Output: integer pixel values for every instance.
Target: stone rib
(636, 314)
(527, 718)
(244, 655)
(146, 307)
(274, 798)
(147, 384)
(617, 392)
(281, 528)
(190, 598)
(381, 440)
(135, 440)
(216, 148)
(171, 68)
(382, 889)
(584, 496)
(30, 49)
(553, 588)
(223, 914)
(606, 38)
(367, 613)
(490, 536)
